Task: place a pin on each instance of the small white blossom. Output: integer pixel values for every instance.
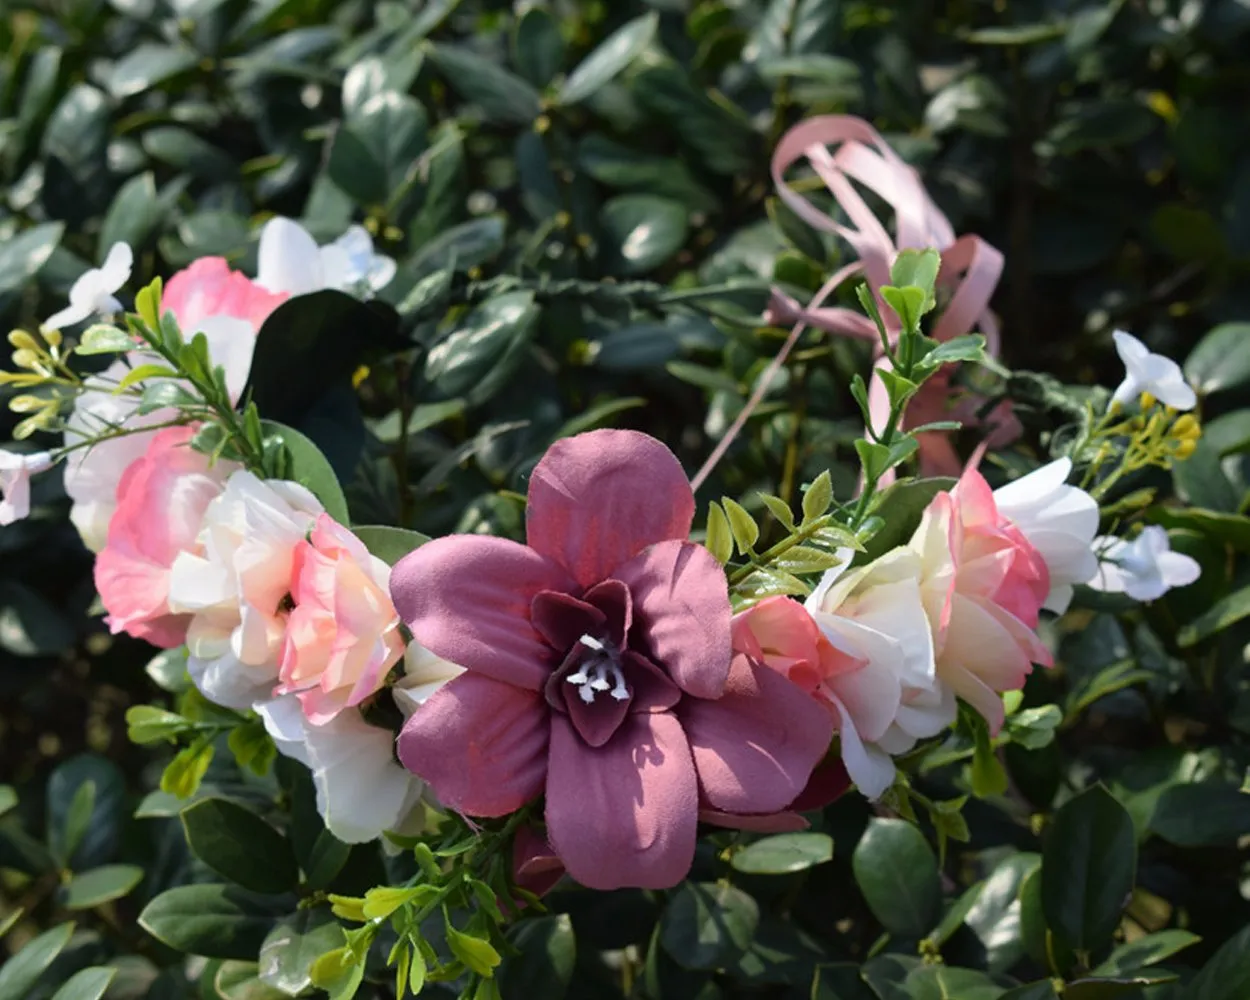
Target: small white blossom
(290, 261)
(93, 292)
(1146, 371)
(15, 472)
(1145, 568)
(350, 263)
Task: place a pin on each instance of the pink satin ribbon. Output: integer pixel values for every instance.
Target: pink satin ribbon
(970, 266)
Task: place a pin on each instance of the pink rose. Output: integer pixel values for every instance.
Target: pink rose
(161, 501)
(209, 288)
(983, 585)
(343, 634)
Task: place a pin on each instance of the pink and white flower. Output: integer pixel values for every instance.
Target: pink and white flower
(161, 502)
(983, 585)
(342, 636)
(236, 586)
(1058, 520)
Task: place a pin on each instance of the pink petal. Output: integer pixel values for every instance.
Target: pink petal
(755, 747)
(467, 599)
(626, 813)
(561, 619)
(597, 499)
(681, 614)
(535, 866)
(481, 745)
(778, 822)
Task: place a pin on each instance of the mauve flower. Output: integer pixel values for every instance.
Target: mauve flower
(599, 669)
(983, 587)
(342, 635)
(161, 502)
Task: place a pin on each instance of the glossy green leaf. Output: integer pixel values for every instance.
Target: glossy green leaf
(388, 543)
(1226, 612)
(148, 65)
(287, 955)
(642, 231)
(1221, 360)
(502, 96)
(310, 468)
(612, 55)
(784, 853)
(21, 972)
(234, 980)
(22, 256)
(489, 337)
(897, 872)
(706, 926)
(100, 885)
(1204, 814)
(538, 46)
(1226, 976)
(1144, 951)
(84, 830)
(217, 921)
(86, 984)
(1089, 861)
(239, 845)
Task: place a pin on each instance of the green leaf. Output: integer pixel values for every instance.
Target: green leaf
(547, 954)
(897, 872)
(817, 498)
(1043, 990)
(146, 66)
(240, 846)
(745, 531)
(99, 885)
(21, 972)
(135, 212)
(918, 268)
(1227, 529)
(780, 510)
(996, 915)
(1227, 975)
(1034, 728)
(784, 853)
(969, 347)
(148, 724)
(476, 953)
(183, 774)
(1221, 360)
(707, 926)
(241, 981)
(325, 860)
(376, 153)
(1129, 987)
(217, 921)
(538, 46)
(502, 96)
(802, 559)
(479, 356)
(23, 255)
(388, 543)
(311, 469)
(104, 338)
(612, 55)
(288, 953)
(719, 541)
(8, 798)
(86, 984)
(642, 231)
(1224, 613)
(874, 457)
(940, 982)
(719, 132)
(1089, 862)
(85, 827)
(1203, 814)
(908, 304)
(252, 747)
(1146, 951)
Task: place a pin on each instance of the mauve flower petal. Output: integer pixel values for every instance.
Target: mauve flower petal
(562, 619)
(778, 822)
(481, 745)
(612, 598)
(681, 614)
(651, 687)
(467, 599)
(536, 867)
(756, 746)
(597, 499)
(598, 720)
(625, 814)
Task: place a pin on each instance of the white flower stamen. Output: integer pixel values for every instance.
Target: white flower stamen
(599, 672)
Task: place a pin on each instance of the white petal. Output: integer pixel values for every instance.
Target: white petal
(1176, 394)
(1127, 391)
(1178, 569)
(1060, 596)
(225, 681)
(288, 260)
(196, 583)
(337, 268)
(381, 272)
(870, 768)
(1030, 489)
(115, 271)
(285, 723)
(1131, 350)
(231, 344)
(71, 314)
(871, 694)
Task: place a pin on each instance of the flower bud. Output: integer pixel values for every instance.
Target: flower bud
(1185, 448)
(1147, 400)
(27, 404)
(1187, 428)
(24, 357)
(23, 340)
